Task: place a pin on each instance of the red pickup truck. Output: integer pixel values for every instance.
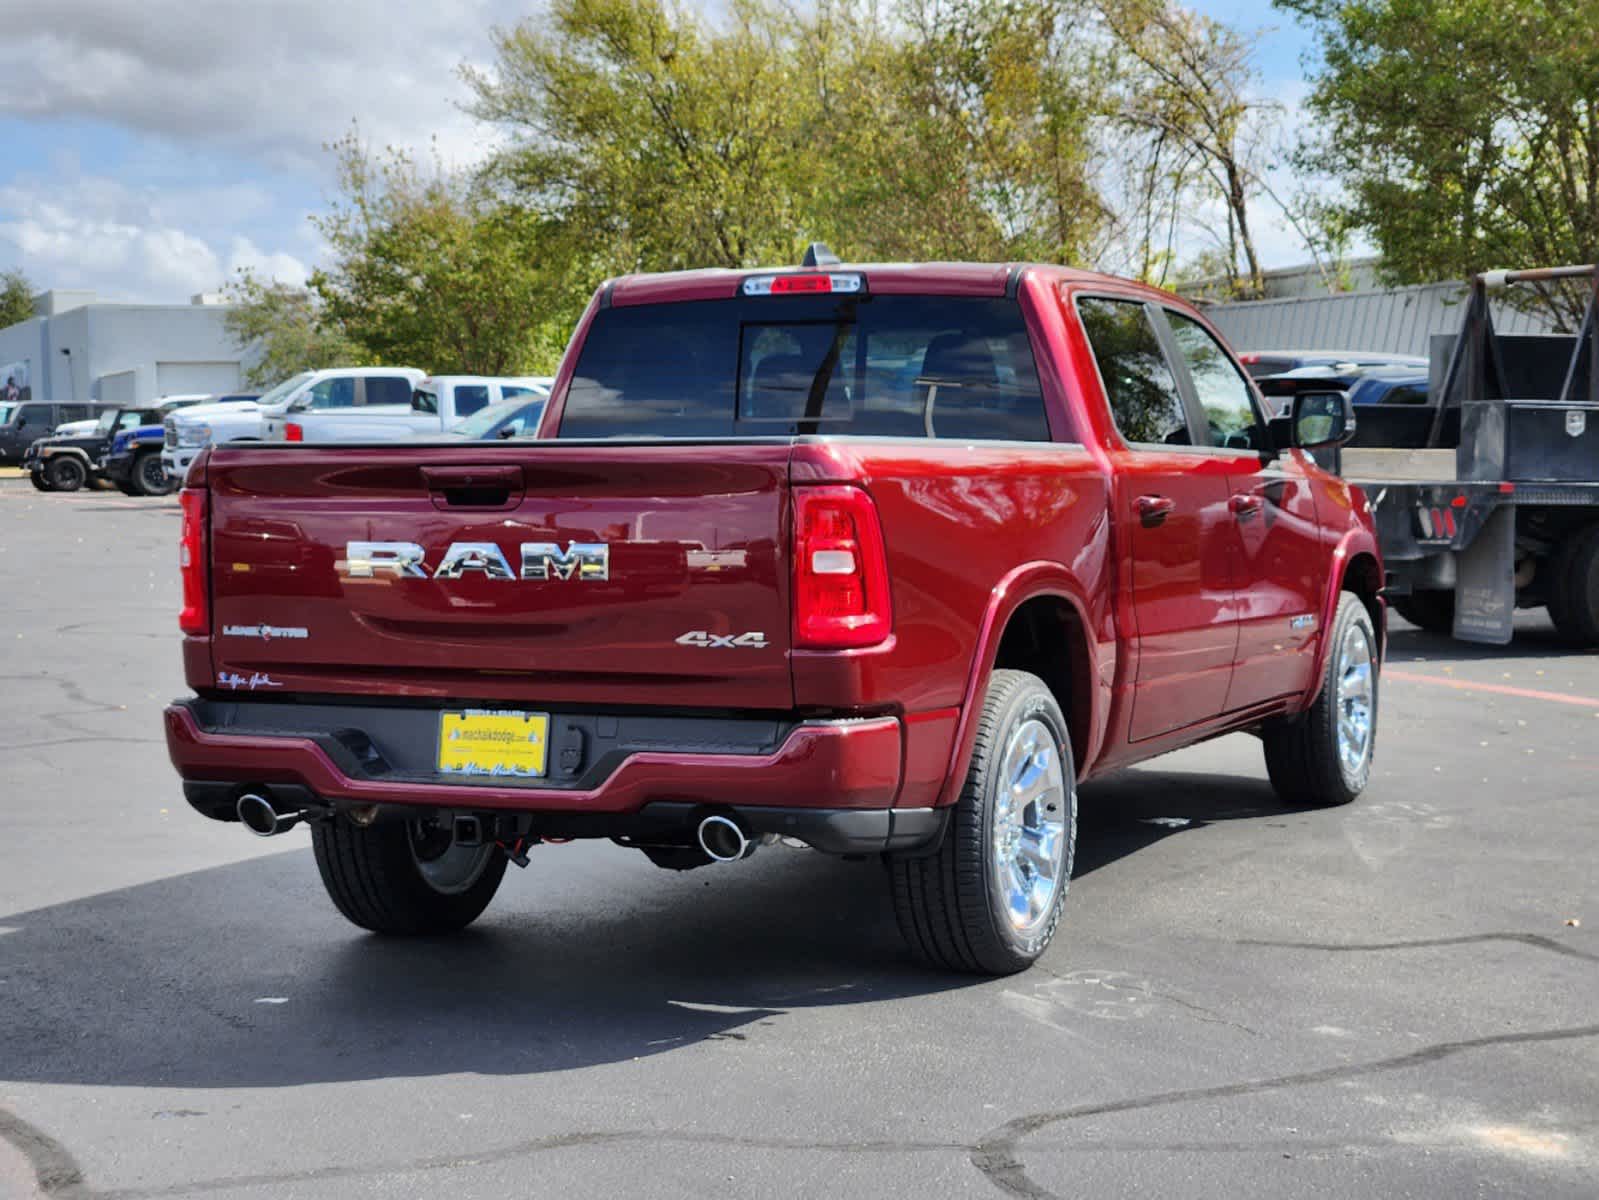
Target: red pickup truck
(881, 559)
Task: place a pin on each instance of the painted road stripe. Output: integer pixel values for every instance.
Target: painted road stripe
(1501, 689)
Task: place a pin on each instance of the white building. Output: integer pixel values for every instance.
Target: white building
(77, 349)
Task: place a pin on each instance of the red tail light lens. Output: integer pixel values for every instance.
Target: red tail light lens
(196, 615)
(293, 432)
(841, 599)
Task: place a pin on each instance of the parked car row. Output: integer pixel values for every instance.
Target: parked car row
(345, 404)
(79, 452)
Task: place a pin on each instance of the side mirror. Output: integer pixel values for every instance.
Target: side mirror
(1320, 420)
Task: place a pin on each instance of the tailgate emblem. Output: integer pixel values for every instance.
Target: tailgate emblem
(588, 562)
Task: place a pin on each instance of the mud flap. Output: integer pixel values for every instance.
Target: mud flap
(1485, 583)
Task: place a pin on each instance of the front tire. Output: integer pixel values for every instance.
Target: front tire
(407, 877)
(149, 477)
(65, 474)
(1323, 757)
(989, 899)
(39, 482)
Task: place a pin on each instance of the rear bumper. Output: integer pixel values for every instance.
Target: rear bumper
(830, 783)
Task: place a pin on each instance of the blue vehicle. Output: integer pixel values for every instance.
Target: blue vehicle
(134, 462)
(1390, 385)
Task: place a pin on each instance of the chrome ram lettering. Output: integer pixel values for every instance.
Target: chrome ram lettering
(588, 562)
(462, 557)
(366, 560)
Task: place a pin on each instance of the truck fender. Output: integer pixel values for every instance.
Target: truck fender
(1029, 581)
(1355, 543)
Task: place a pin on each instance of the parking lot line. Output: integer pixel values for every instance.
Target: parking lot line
(1501, 689)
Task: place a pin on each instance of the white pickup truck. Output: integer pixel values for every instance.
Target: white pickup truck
(335, 389)
(430, 406)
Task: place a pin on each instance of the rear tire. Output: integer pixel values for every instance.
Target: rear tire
(407, 877)
(65, 474)
(1433, 609)
(1574, 587)
(1323, 757)
(989, 899)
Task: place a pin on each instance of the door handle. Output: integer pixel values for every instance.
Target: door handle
(1152, 510)
(1244, 505)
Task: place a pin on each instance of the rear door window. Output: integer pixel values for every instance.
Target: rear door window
(891, 366)
(1139, 384)
(388, 389)
(470, 397)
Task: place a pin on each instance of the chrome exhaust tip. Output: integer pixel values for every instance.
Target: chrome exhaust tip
(259, 816)
(723, 841)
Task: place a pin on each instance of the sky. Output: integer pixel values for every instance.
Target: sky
(148, 151)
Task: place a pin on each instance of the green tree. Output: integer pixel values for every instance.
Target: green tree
(283, 330)
(16, 298)
(927, 129)
(432, 269)
(1465, 132)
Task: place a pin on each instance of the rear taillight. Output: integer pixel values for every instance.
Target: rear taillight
(841, 599)
(293, 432)
(196, 615)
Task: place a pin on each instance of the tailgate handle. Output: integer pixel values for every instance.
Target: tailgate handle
(474, 487)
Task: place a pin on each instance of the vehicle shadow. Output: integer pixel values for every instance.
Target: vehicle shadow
(1130, 810)
(244, 976)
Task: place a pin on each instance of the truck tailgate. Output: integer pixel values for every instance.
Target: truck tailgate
(687, 601)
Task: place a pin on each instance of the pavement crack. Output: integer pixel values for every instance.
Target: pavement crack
(1536, 940)
(997, 1156)
(524, 1149)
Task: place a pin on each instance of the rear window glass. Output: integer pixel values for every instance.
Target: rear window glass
(887, 366)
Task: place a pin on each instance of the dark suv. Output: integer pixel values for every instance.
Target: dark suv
(21, 424)
(65, 464)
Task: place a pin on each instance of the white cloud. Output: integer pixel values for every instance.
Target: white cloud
(272, 80)
(244, 255)
(86, 231)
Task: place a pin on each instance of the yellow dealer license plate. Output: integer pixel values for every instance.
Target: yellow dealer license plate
(483, 742)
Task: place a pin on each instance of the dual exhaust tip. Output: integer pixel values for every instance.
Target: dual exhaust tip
(722, 838)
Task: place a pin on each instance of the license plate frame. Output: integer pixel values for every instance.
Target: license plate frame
(493, 743)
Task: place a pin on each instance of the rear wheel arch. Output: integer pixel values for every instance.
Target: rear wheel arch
(1059, 610)
(1045, 636)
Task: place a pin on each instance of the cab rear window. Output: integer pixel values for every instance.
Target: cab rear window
(887, 366)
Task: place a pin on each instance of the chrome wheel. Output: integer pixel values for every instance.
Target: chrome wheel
(1356, 682)
(448, 867)
(1029, 837)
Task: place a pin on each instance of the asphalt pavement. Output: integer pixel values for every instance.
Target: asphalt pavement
(1397, 998)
